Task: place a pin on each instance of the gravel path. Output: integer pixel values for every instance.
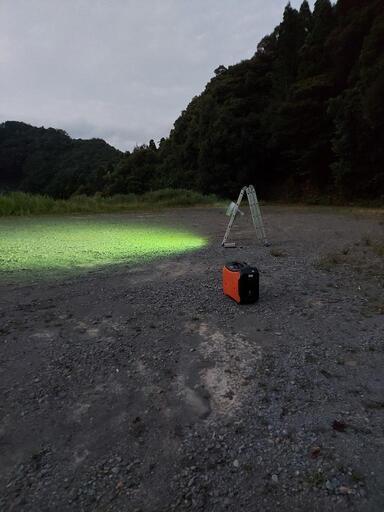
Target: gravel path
(145, 389)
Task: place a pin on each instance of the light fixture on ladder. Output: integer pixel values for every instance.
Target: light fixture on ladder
(234, 209)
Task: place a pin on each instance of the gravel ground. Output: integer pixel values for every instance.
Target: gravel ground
(145, 389)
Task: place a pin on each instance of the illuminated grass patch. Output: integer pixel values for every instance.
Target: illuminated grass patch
(55, 244)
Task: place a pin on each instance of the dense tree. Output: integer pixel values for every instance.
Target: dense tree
(358, 138)
(291, 37)
(306, 18)
(303, 116)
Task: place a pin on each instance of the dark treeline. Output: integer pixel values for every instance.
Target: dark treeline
(303, 118)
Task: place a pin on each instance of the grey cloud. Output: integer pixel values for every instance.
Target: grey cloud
(121, 70)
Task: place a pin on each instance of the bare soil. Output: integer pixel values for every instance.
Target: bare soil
(146, 389)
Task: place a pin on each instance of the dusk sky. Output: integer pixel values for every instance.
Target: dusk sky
(121, 70)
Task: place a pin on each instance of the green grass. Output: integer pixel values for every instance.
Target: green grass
(20, 203)
(41, 245)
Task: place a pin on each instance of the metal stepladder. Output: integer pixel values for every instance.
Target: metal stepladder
(255, 213)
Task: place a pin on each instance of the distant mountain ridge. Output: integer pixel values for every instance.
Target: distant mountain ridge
(303, 118)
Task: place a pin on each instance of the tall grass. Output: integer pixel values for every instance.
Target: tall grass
(21, 203)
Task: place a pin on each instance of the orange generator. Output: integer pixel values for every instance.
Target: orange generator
(241, 282)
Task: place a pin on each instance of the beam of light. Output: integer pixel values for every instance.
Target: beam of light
(61, 244)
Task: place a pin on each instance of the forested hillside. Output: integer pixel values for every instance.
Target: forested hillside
(304, 117)
(48, 161)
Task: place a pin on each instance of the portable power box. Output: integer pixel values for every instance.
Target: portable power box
(241, 282)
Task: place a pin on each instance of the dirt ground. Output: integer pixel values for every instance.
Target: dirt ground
(145, 389)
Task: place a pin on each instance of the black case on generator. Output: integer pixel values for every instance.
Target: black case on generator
(241, 282)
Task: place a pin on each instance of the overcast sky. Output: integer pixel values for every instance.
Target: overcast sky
(122, 70)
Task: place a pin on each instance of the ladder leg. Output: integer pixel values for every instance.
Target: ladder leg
(233, 215)
(256, 214)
